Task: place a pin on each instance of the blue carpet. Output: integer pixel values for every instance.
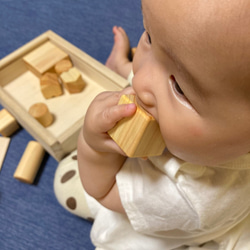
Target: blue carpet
(30, 217)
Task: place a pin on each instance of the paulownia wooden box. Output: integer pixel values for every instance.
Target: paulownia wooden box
(20, 88)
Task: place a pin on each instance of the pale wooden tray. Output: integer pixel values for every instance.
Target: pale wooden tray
(19, 89)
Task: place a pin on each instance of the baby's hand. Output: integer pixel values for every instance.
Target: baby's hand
(102, 115)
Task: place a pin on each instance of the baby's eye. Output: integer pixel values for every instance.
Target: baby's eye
(149, 37)
(178, 93)
(176, 86)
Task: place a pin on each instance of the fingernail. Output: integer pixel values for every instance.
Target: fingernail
(131, 106)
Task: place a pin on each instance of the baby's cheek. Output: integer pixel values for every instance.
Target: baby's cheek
(196, 132)
(184, 141)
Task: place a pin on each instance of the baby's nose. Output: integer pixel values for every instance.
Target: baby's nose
(145, 100)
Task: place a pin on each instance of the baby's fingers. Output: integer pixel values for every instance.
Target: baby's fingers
(115, 113)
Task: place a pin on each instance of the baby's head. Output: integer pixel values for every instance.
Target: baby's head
(192, 73)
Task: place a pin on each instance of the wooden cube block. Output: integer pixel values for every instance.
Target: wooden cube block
(8, 123)
(50, 86)
(44, 58)
(63, 66)
(72, 80)
(139, 135)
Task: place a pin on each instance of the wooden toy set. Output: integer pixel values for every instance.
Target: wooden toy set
(46, 87)
(20, 74)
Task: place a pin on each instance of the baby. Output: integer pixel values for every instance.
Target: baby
(191, 72)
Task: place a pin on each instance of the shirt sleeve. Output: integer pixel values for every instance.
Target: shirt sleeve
(168, 197)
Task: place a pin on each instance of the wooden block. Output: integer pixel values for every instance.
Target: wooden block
(4, 144)
(50, 86)
(44, 58)
(63, 66)
(72, 80)
(133, 50)
(139, 135)
(8, 123)
(41, 113)
(30, 162)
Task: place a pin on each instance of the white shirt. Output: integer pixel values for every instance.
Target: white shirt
(171, 203)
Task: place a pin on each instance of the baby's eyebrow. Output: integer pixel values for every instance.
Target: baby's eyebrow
(182, 69)
(179, 65)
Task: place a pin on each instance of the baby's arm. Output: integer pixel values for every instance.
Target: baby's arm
(99, 158)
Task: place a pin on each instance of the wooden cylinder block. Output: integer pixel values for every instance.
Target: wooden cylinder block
(30, 162)
(41, 113)
(63, 66)
(8, 124)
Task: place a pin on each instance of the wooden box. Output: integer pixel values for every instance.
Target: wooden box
(20, 89)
